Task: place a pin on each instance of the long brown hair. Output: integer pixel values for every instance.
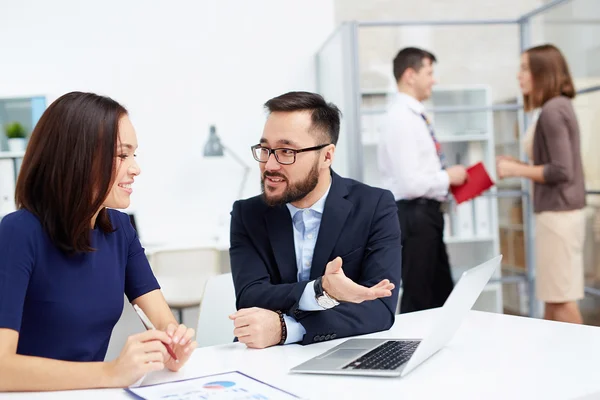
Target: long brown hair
(550, 76)
(68, 168)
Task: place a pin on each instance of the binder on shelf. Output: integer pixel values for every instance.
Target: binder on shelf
(464, 221)
(482, 205)
(482, 212)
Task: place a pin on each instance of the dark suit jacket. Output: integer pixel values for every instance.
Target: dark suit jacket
(359, 223)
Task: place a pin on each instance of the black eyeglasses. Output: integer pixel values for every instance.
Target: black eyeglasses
(283, 156)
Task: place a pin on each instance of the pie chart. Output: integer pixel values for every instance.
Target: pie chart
(218, 385)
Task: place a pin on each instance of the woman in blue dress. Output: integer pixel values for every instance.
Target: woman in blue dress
(67, 256)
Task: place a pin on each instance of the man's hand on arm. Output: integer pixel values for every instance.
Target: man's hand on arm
(256, 327)
(342, 288)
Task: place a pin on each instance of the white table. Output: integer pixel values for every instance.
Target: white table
(492, 356)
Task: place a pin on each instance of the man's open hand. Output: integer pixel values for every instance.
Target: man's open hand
(342, 288)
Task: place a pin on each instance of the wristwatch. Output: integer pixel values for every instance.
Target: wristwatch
(324, 299)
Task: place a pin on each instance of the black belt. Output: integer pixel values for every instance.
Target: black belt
(423, 202)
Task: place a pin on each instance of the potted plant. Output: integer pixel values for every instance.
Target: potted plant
(15, 132)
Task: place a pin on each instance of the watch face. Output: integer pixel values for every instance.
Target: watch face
(325, 302)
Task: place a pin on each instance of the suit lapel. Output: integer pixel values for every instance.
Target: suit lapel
(335, 213)
(281, 236)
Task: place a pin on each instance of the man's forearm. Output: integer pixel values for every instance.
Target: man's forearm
(281, 297)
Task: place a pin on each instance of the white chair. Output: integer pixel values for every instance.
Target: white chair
(182, 274)
(214, 325)
(129, 324)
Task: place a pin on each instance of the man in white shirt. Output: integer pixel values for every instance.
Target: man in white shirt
(411, 165)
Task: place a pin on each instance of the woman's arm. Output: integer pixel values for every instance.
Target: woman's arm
(556, 140)
(533, 172)
(509, 168)
(156, 308)
(25, 373)
(142, 289)
(142, 353)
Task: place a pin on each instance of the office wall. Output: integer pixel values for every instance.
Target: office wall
(178, 66)
(410, 10)
(466, 54)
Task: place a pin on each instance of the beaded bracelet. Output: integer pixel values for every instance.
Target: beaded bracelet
(283, 327)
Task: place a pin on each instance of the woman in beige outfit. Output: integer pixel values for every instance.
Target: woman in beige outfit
(552, 143)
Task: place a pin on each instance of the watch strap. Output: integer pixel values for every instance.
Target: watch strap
(318, 287)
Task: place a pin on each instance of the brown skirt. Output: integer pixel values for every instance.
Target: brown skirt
(559, 237)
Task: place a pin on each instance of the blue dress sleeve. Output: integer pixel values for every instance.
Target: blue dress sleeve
(17, 258)
(139, 278)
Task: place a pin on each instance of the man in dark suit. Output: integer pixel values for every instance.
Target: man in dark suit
(316, 256)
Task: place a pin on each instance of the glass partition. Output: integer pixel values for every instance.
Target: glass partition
(574, 27)
(462, 107)
(336, 81)
(476, 108)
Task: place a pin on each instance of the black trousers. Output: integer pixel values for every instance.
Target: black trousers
(426, 277)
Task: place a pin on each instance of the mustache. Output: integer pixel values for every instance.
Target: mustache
(274, 175)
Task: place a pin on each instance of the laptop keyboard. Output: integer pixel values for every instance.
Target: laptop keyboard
(387, 356)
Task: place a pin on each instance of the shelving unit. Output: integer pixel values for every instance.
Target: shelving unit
(464, 127)
(27, 111)
(511, 227)
(9, 166)
(11, 155)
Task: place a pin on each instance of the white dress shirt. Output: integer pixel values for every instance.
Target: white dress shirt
(307, 222)
(407, 158)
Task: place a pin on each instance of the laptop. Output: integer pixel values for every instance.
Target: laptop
(398, 357)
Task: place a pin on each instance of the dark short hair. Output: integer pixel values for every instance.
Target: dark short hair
(68, 168)
(550, 76)
(410, 57)
(325, 117)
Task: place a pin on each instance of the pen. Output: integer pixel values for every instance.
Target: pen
(150, 326)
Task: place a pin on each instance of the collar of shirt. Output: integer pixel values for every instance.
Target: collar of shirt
(318, 207)
(412, 103)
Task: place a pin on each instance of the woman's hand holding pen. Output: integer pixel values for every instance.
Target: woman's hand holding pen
(142, 353)
(182, 344)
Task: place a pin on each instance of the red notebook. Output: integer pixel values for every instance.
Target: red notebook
(478, 181)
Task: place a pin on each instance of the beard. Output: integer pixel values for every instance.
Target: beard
(293, 192)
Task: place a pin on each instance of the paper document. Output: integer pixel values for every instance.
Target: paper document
(230, 385)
